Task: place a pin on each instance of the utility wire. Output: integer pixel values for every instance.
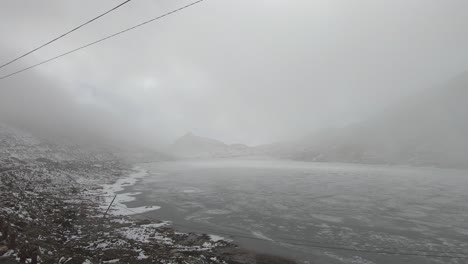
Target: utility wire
(102, 39)
(307, 244)
(64, 34)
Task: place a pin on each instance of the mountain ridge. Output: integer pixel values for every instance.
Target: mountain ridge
(429, 128)
(426, 129)
(192, 146)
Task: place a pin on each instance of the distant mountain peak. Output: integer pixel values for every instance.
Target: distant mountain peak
(192, 140)
(189, 134)
(193, 146)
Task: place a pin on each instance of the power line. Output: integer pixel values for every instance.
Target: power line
(308, 243)
(64, 34)
(102, 39)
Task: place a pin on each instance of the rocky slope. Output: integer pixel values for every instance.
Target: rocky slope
(18, 144)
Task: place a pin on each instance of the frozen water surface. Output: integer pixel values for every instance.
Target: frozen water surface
(416, 210)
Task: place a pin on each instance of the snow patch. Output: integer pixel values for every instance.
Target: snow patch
(111, 261)
(119, 206)
(145, 233)
(142, 255)
(216, 238)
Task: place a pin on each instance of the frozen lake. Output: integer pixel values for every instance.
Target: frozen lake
(295, 206)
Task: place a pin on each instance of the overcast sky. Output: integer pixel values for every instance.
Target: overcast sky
(242, 71)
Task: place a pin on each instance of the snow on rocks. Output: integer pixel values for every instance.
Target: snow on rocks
(145, 233)
(216, 238)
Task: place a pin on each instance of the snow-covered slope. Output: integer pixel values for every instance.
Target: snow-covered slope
(20, 145)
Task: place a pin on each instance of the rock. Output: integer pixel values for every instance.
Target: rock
(11, 244)
(3, 250)
(143, 222)
(21, 224)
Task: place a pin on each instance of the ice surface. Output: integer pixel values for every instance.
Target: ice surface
(364, 205)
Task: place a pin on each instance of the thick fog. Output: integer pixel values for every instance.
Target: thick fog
(246, 71)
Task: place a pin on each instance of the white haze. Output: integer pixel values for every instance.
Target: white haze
(246, 71)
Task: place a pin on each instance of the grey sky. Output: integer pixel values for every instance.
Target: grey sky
(251, 71)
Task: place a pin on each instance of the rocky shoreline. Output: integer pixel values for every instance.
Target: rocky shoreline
(52, 212)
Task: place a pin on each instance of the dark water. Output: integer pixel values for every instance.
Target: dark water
(297, 206)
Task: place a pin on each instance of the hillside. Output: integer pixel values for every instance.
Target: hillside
(428, 129)
(19, 144)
